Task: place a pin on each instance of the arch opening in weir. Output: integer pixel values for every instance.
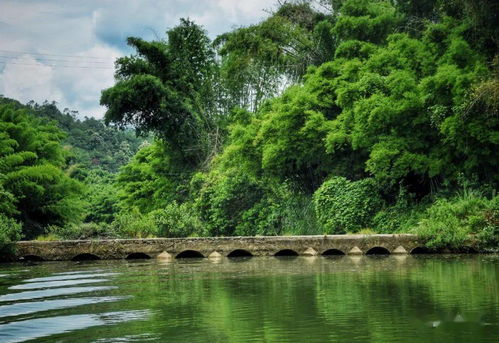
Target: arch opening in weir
(378, 251)
(85, 257)
(240, 253)
(420, 251)
(190, 254)
(286, 253)
(333, 252)
(467, 250)
(138, 256)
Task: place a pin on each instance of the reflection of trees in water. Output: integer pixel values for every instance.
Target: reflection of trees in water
(376, 301)
(373, 304)
(307, 299)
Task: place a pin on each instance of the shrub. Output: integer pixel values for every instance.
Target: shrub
(223, 199)
(79, 232)
(234, 203)
(134, 224)
(281, 212)
(394, 219)
(486, 225)
(263, 218)
(10, 232)
(448, 223)
(402, 216)
(488, 237)
(102, 195)
(176, 220)
(346, 206)
(299, 216)
(441, 226)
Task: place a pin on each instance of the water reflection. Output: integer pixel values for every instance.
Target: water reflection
(301, 299)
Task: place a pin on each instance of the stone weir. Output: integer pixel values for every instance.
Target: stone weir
(171, 248)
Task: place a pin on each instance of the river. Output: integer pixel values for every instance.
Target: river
(426, 298)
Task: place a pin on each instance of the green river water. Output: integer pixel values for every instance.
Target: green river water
(427, 298)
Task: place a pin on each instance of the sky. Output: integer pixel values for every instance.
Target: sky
(64, 50)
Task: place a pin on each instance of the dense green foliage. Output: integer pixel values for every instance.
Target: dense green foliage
(10, 231)
(35, 188)
(57, 171)
(449, 222)
(365, 115)
(168, 89)
(336, 121)
(258, 60)
(345, 206)
(91, 145)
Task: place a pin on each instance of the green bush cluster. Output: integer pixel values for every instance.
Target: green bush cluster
(401, 214)
(346, 206)
(80, 231)
(448, 223)
(176, 220)
(280, 212)
(237, 204)
(10, 232)
(134, 224)
(224, 199)
(387, 117)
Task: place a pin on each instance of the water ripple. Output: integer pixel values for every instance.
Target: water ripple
(145, 337)
(52, 292)
(80, 272)
(62, 277)
(42, 327)
(48, 305)
(52, 284)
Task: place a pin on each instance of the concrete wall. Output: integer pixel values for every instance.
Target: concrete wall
(214, 246)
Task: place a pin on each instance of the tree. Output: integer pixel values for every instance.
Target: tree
(32, 179)
(151, 181)
(259, 61)
(168, 89)
(395, 101)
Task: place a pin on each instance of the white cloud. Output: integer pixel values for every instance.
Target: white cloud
(24, 78)
(53, 32)
(241, 11)
(71, 82)
(82, 86)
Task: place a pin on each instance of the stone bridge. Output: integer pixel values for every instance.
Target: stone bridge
(170, 248)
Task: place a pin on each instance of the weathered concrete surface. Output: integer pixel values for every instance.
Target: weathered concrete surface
(166, 248)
